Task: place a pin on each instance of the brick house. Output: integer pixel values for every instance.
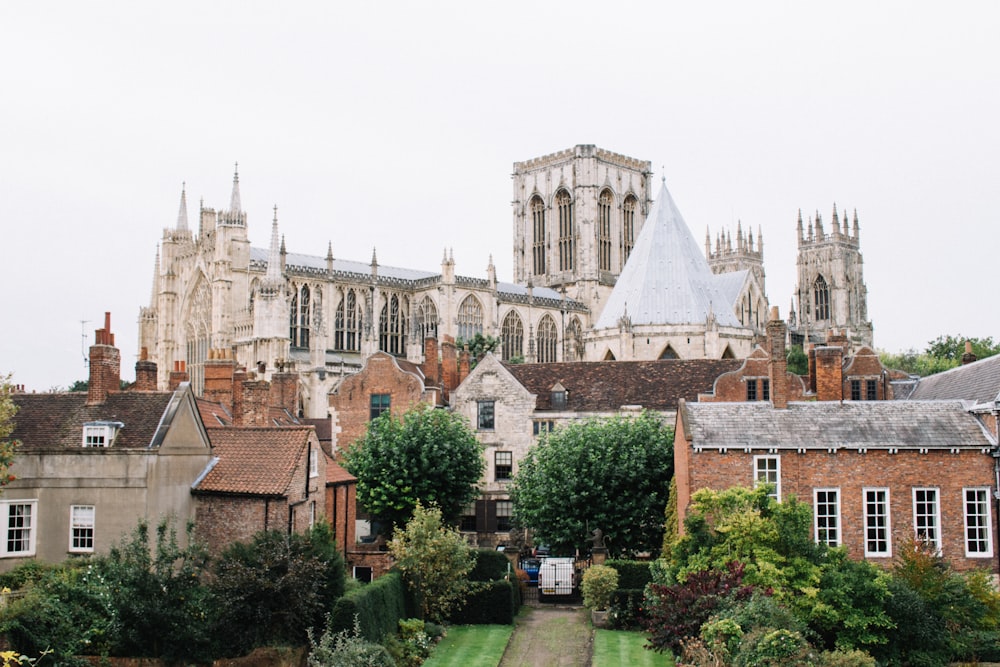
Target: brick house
(91, 464)
(876, 473)
(510, 405)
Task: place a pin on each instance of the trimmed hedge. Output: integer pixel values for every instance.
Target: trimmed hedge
(490, 565)
(631, 573)
(492, 603)
(379, 607)
(626, 608)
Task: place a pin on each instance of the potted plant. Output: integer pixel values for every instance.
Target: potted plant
(599, 584)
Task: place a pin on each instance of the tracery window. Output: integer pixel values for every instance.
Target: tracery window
(470, 318)
(567, 234)
(547, 340)
(574, 341)
(392, 327)
(426, 320)
(821, 299)
(347, 322)
(512, 337)
(538, 235)
(299, 317)
(604, 209)
(628, 227)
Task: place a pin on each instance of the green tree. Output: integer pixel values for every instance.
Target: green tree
(942, 353)
(798, 362)
(7, 446)
(612, 474)
(271, 589)
(479, 345)
(435, 561)
(427, 455)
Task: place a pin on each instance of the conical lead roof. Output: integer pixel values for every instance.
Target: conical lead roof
(666, 279)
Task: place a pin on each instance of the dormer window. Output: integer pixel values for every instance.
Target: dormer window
(558, 397)
(100, 434)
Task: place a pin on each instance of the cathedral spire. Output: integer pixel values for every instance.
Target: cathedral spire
(801, 236)
(273, 275)
(156, 278)
(760, 242)
(182, 213)
(234, 201)
(857, 230)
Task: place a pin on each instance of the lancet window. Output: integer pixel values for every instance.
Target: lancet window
(347, 322)
(470, 318)
(538, 235)
(426, 320)
(300, 317)
(548, 339)
(512, 337)
(392, 326)
(628, 227)
(574, 341)
(821, 299)
(604, 211)
(567, 233)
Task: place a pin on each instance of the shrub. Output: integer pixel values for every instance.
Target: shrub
(853, 658)
(599, 584)
(488, 603)
(490, 565)
(773, 648)
(346, 648)
(412, 646)
(377, 607)
(274, 587)
(631, 573)
(627, 611)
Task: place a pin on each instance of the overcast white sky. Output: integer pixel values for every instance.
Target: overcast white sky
(395, 126)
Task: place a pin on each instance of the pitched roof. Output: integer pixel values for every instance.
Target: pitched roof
(666, 279)
(608, 385)
(833, 424)
(336, 474)
(258, 461)
(978, 381)
(55, 421)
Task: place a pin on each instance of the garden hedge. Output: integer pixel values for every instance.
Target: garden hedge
(490, 565)
(379, 607)
(491, 603)
(631, 573)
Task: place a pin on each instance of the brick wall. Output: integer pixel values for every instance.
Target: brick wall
(145, 373)
(105, 364)
(342, 512)
(851, 472)
(222, 520)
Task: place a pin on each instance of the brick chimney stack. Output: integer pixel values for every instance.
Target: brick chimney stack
(777, 366)
(178, 375)
(432, 365)
(829, 373)
(464, 365)
(219, 370)
(449, 365)
(105, 365)
(145, 373)
(969, 356)
(284, 392)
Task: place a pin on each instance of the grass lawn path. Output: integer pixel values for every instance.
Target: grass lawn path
(471, 646)
(550, 637)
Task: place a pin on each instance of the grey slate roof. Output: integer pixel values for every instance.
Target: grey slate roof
(833, 424)
(978, 381)
(666, 279)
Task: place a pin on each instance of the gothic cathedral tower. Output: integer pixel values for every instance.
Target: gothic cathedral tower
(831, 292)
(577, 214)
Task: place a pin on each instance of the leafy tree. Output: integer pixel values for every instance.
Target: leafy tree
(7, 446)
(273, 588)
(612, 474)
(479, 345)
(942, 353)
(915, 363)
(161, 607)
(434, 560)
(427, 455)
(798, 362)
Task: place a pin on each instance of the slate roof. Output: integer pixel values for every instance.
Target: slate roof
(833, 424)
(255, 461)
(666, 279)
(608, 385)
(978, 381)
(55, 421)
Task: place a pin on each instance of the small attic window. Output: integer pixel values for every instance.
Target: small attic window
(558, 397)
(100, 434)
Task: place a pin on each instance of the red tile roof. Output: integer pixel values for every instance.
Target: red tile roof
(255, 460)
(608, 385)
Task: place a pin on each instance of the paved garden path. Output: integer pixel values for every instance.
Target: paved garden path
(550, 636)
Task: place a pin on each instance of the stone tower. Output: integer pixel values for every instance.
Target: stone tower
(577, 214)
(831, 292)
(745, 254)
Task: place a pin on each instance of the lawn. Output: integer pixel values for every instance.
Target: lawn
(614, 647)
(471, 646)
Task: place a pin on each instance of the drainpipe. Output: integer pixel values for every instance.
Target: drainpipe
(996, 472)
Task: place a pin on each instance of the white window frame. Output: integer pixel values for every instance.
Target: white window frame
(508, 508)
(5, 527)
(78, 520)
(984, 525)
(312, 514)
(508, 463)
(835, 517)
(758, 477)
(885, 515)
(930, 534)
(96, 435)
(313, 462)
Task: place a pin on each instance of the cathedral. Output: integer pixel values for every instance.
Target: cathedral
(603, 269)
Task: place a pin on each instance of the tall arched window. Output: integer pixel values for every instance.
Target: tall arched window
(821, 299)
(538, 235)
(347, 323)
(392, 327)
(512, 337)
(574, 341)
(567, 233)
(299, 317)
(628, 227)
(548, 339)
(426, 320)
(470, 318)
(604, 211)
